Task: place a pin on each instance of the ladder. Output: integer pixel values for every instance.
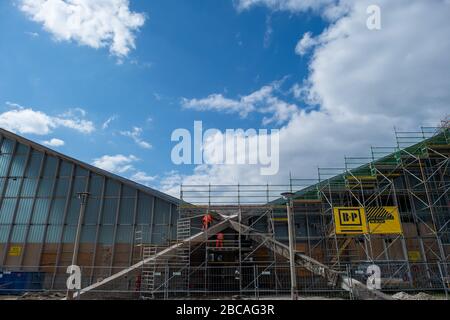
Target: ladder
(183, 233)
(183, 253)
(138, 243)
(148, 272)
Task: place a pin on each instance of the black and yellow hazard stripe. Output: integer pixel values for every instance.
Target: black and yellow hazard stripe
(378, 214)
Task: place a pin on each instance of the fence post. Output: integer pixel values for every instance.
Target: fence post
(349, 277)
(444, 282)
(254, 281)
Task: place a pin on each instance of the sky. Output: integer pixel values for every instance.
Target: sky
(108, 81)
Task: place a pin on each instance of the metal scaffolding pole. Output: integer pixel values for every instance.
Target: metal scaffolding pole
(291, 232)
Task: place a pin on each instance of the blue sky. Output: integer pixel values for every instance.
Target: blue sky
(191, 50)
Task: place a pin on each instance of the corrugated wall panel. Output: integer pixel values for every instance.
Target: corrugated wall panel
(109, 211)
(88, 234)
(4, 230)
(29, 187)
(128, 192)
(106, 235)
(7, 146)
(36, 234)
(92, 209)
(21, 149)
(65, 169)
(12, 187)
(2, 183)
(18, 234)
(69, 234)
(95, 186)
(4, 161)
(159, 238)
(18, 165)
(62, 187)
(40, 211)
(34, 164)
(45, 187)
(50, 167)
(57, 212)
(112, 188)
(53, 233)
(126, 211)
(7, 211)
(24, 210)
(73, 212)
(124, 234)
(79, 185)
(144, 208)
(162, 212)
(81, 172)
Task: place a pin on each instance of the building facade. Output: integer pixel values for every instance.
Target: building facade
(41, 195)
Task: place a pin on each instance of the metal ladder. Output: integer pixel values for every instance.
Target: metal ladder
(183, 253)
(148, 272)
(138, 242)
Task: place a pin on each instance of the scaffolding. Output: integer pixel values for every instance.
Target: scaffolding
(251, 205)
(249, 258)
(412, 176)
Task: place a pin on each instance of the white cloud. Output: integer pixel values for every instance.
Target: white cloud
(74, 113)
(135, 134)
(269, 32)
(400, 71)
(32, 34)
(28, 121)
(124, 165)
(289, 5)
(305, 44)
(143, 178)
(94, 23)
(54, 143)
(364, 83)
(264, 101)
(108, 121)
(116, 164)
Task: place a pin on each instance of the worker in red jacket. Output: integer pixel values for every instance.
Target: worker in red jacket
(206, 221)
(219, 240)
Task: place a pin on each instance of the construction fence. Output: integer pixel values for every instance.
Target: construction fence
(172, 281)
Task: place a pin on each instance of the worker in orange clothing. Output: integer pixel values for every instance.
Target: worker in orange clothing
(206, 220)
(219, 240)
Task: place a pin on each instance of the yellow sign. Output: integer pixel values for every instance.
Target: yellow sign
(414, 256)
(383, 220)
(373, 220)
(15, 251)
(350, 221)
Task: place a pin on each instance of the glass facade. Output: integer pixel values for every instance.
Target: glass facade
(40, 207)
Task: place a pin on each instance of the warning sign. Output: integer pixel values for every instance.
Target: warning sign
(383, 220)
(350, 221)
(15, 251)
